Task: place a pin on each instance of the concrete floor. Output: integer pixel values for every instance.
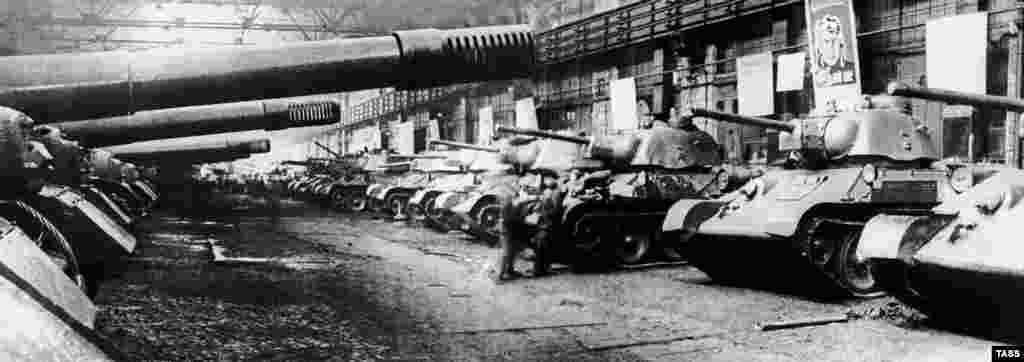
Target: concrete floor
(392, 291)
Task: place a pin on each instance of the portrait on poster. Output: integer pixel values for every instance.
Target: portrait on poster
(833, 46)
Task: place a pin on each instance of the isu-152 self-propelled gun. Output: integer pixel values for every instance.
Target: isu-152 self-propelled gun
(176, 151)
(68, 87)
(617, 210)
(965, 254)
(799, 226)
(269, 114)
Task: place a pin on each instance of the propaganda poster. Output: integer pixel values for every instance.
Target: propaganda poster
(831, 30)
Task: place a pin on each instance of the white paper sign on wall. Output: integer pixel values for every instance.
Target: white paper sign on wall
(526, 113)
(406, 138)
(957, 65)
(754, 84)
(791, 72)
(485, 126)
(623, 104)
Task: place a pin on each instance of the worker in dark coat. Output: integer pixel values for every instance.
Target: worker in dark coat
(530, 221)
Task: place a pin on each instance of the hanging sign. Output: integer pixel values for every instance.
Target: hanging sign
(485, 129)
(791, 72)
(957, 65)
(623, 104)
(833, 47)
(434, 129)
(526, 114)
(754, 84)
(406, 138)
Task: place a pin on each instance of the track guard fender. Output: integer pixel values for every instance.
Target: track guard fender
(898, 237)
(469, 204)
(689, 214)
(882, 236)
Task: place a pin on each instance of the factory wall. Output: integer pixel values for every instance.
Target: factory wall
(696, 66)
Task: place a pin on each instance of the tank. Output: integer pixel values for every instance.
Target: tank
(100, 180)
(69, 87)
(799, 226)
(625, 186)
(423, 169)
(272, 114)
(528, 161)
(422, 206)
(968, 242)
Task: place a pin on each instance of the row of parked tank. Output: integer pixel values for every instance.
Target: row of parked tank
(862, 205)
(67, 209)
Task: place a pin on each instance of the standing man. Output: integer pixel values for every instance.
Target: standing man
(530, 220)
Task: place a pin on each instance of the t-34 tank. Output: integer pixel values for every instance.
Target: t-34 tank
(501, 177)
(422, 206)
(965, 255)
(423, 169)
(799, 226)
(614, 213)
(485, 172)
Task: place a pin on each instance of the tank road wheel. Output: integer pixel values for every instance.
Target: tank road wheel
(633, 248)
(672, 249)
(489, 218)
(53, 242)
(338, 200)
(355, 202)
(396, 205)
(853, 274)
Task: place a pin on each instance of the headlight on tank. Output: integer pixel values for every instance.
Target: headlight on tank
(961, 179)
(869, 173)
(751, 189)
(723, 180)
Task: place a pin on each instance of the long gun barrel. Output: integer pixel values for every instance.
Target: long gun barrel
(325, 148)
(188, 151)
(901, 89)
(544, 134)
(418, 157)
(464, 145)
(273, 114)
(68, 87)
(747, 120)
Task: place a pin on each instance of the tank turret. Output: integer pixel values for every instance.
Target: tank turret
(275, 114)
(661, 147)
(68, 87)
(555, 151)
(880, 129)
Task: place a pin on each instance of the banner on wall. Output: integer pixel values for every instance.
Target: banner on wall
(957, 65)
(434, 129)
(835, 67)
(623, 104)
(754, 84)
(405, 138)
(526, 113)
(791, 72)
(485, 125)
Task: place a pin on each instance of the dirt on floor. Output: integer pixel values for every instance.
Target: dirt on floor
(292, 281)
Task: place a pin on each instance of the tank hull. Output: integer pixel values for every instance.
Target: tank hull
(97, 239)
(55, 319)
(813, 219)
(969, 244)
